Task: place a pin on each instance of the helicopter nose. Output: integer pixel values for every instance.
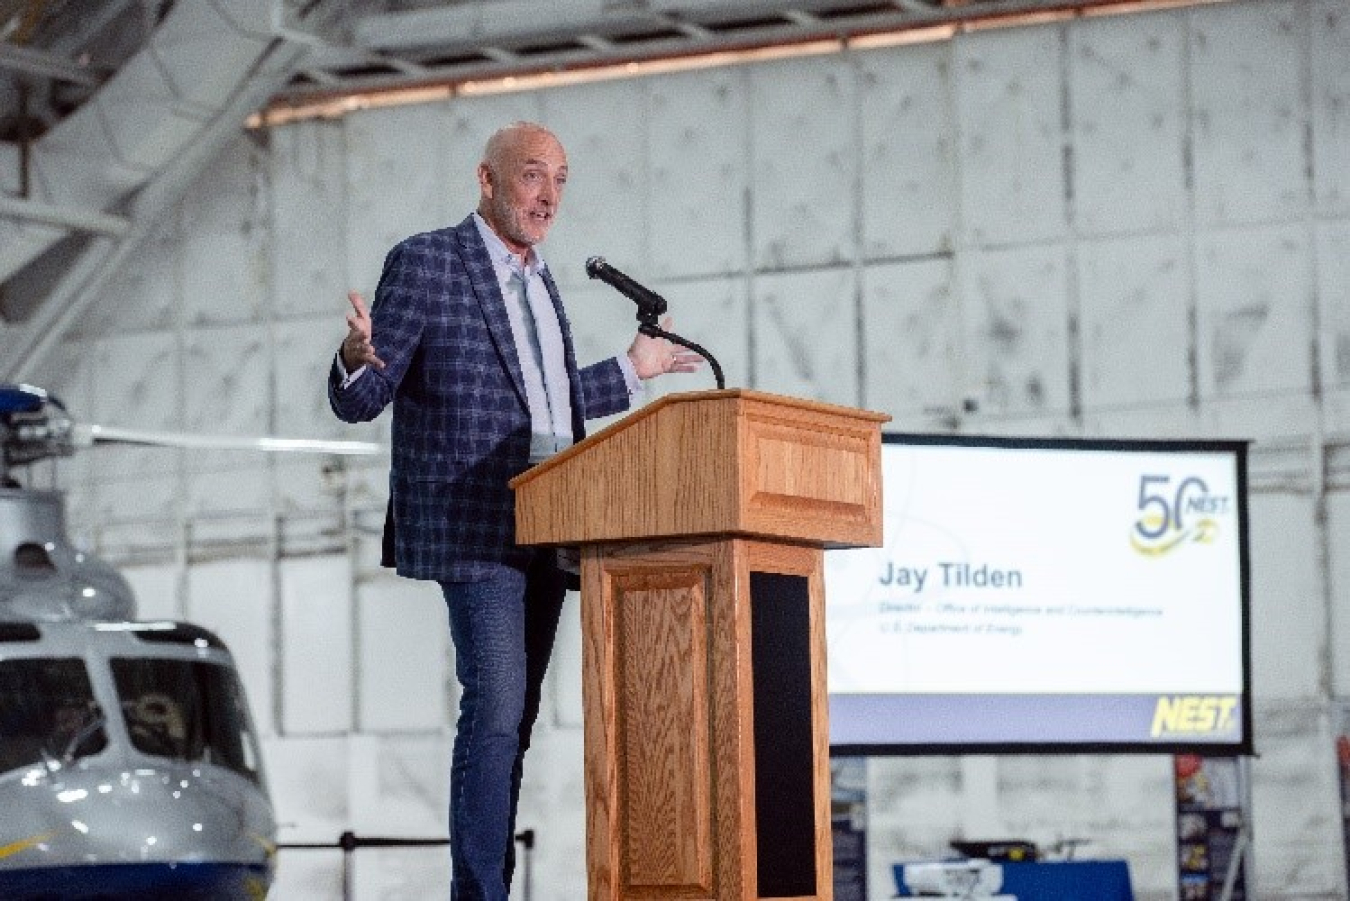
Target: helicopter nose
(157, 815)
(179, 833)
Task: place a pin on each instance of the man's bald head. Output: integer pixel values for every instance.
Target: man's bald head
(521, 180)
(506, 141)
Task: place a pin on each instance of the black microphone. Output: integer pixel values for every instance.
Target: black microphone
(649, 301)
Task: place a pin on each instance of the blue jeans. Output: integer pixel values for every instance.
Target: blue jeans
(503, 629)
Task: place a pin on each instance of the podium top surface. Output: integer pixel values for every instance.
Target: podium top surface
(730, 462)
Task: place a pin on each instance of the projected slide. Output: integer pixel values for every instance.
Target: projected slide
(1056, 594)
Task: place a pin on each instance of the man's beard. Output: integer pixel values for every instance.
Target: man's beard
(520, 225)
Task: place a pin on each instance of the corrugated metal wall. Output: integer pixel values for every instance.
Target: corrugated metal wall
(1133, 226)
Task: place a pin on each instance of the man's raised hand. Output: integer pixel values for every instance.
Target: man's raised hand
(656, 356)
(357, 349)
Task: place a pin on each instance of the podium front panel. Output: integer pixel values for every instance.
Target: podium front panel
(707, 771)
(660, 646)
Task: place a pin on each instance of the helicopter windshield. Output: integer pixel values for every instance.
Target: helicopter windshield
(186, 710)
(47, 712)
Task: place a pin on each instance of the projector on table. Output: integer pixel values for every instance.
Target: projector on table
(956, 879)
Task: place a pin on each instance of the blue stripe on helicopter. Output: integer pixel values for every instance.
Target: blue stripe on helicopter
(141, 881)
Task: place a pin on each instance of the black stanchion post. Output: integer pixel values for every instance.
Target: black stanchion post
(526, 840)
(347, 842)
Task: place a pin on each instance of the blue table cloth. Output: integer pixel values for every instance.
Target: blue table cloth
(1072, 880)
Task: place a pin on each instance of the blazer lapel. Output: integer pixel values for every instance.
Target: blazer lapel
(569, 359)
(483, 277)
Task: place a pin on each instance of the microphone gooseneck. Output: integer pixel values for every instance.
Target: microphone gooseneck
(651, 306)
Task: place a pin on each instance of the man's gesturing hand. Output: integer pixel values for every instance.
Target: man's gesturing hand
(656, 356)
(357, 351)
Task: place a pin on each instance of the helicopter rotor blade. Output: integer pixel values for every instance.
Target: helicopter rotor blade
(89, 435)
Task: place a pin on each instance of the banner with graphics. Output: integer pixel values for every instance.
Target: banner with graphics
(1211, 843)
(1058, 593)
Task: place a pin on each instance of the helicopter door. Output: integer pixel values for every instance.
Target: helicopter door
(47, 712)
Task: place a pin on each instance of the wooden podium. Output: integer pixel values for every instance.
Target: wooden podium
(702, 518)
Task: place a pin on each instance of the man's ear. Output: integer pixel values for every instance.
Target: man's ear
(485, 179)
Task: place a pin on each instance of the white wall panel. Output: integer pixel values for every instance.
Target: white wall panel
(304, 350)
(604, 210)
(316, 633)
(1126, 73)
(157, 590)
(307, 166)
(911, 334)
(552, 802)
(1338, 572)
(1331, 105)
(312, 483)
(1249, 113)
(130, 513)
(225, 241)
(309, 782)
(235, 599)
(713, 313)
(1011, 149)
(143, 295)
(240, 498)
(1135, 327)
(136, 386)
(697, 190)
(402, 873)
(909, 197)
(396, 185)
(803, 163)
(1015, 319)
(1296, 806)
(309, 875)
(805, 336)
(400, 785)
(563, 701)
(405, 666)
(1254, 297)
(1288, 620)
(1333, 333)
(227, 390)
(603, 321)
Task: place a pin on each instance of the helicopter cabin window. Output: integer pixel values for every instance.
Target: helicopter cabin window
(186, 710)
(47, 712)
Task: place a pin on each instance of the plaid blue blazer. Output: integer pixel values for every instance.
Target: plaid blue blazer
(461, 424)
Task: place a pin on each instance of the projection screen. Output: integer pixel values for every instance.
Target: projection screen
(1046, 595)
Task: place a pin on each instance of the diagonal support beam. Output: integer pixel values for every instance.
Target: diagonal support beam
(27, 61)
(63, 217)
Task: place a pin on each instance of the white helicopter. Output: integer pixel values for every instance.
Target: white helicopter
(129, 765)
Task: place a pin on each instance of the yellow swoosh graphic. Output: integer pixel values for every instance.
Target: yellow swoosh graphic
(23, 845)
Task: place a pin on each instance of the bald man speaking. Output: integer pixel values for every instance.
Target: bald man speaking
(468, 339)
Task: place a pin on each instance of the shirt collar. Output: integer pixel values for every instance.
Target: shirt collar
(501, 254)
